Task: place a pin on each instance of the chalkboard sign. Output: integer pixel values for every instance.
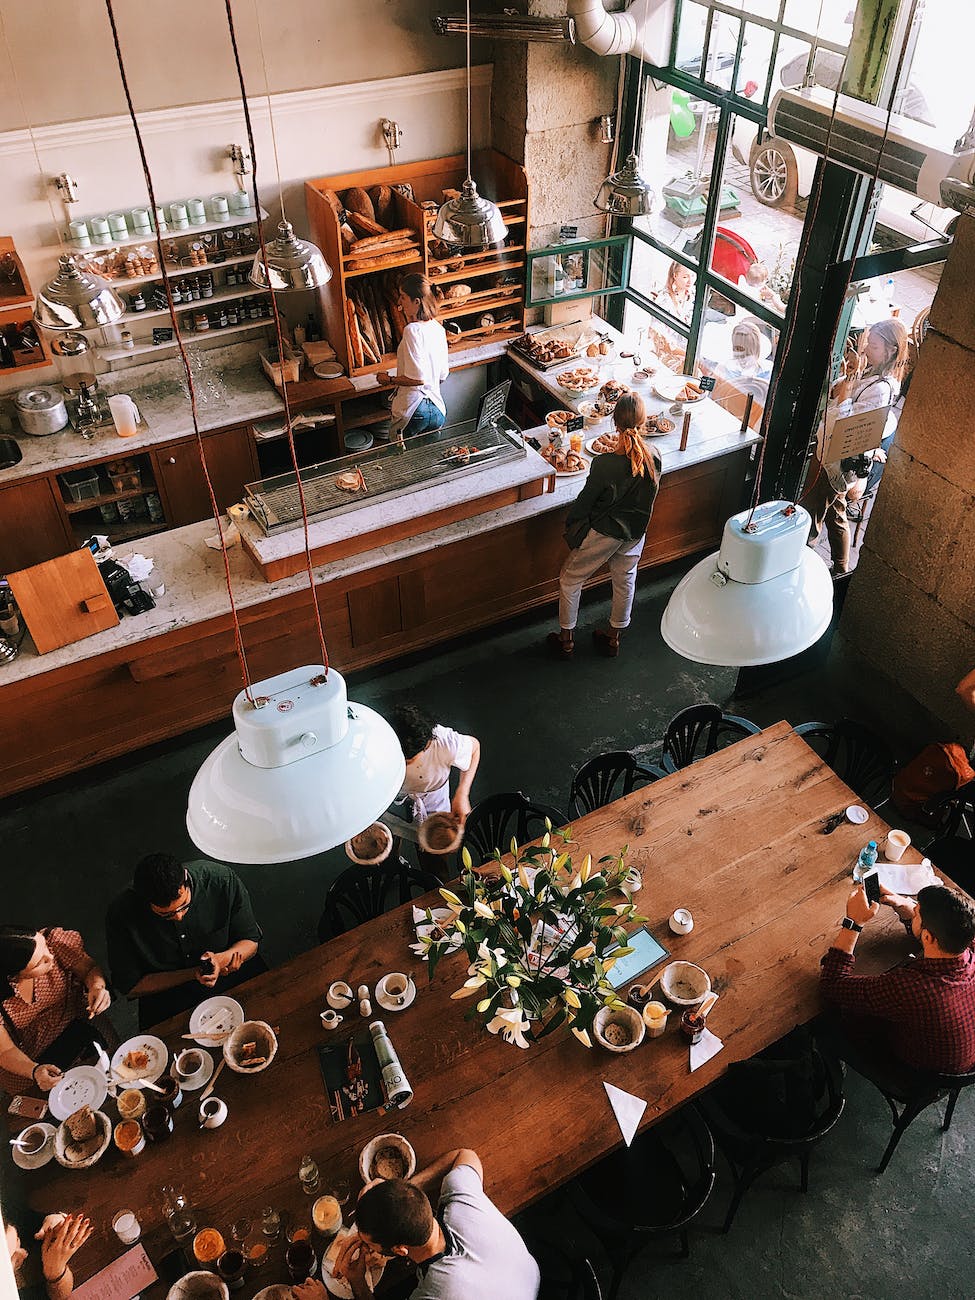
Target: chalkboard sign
(706, 383)
(493, 403)
(162, 334)
(574, 425)
(567, 234)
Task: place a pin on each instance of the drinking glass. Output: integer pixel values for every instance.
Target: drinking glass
(270, 1223)
(240, 1230)
(301, 1261)
(179, 1213)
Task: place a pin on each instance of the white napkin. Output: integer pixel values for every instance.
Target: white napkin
(906, 877)
(425, 927)
(702, 1051)
(627, 1109)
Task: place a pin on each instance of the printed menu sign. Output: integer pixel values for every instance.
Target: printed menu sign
(849, 435)
(124, 1278)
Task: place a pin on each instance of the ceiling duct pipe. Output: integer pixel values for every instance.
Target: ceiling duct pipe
(617, 33)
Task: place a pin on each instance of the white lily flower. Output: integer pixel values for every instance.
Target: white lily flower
(583, 1036)
(585, 951)
(482, 909)
(511, 1024)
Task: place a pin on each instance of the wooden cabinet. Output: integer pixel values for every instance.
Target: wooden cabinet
(33, 527)
(359, 302)
(231, 462)
(23, 345)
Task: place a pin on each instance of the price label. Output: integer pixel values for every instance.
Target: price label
(162, 334)
(574, 425)
(567, 234)
(706, 383)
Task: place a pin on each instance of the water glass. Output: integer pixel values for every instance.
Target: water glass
(301, 1261)
(179, 1213)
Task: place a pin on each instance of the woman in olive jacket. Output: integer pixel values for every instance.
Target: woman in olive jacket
(607, 524)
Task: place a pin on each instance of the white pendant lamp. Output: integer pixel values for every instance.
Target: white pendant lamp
(292, 263)
(625, 193)
(305, 770)
(77, 300)
(765, 596)
(470, 221)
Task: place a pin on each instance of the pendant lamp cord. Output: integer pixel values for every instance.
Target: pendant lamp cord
(267, 93)
(638, 127)
(468, 34)
(804, 248)
(276, 314)
(187, 368)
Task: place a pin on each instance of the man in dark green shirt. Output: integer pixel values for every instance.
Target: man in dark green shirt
(180, 934)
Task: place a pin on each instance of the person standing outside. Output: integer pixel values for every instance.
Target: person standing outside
(607, 524)
(422, 362)
(181, 933)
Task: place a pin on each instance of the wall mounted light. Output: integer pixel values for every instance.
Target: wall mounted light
(66, 186)
(241, 159)
(392, 133)
(607, 127)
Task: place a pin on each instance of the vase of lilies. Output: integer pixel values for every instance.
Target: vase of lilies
(541, 937)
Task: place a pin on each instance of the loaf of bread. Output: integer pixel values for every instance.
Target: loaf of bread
(81, 1125)
(383, 204)
(334, 202)
(457, 292)
(357, 200)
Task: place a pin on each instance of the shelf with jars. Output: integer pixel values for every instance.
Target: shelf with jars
(21, 344)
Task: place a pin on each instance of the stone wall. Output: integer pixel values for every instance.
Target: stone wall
(908, 626)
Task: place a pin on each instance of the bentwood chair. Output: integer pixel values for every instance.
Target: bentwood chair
(698, 731)
(494, 821)
(766, 1112)
(648, 1190)
(361, 893)
(607, 777)
(856, 754)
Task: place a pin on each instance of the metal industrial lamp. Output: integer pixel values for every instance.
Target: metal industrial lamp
(765, 595)
(76, 300)
(625, 193)
(470, 221)
(292, 263)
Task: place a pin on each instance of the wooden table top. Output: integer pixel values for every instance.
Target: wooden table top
(735, 838)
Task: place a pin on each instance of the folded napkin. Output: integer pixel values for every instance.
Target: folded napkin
(627, 1109)
(702, 1051)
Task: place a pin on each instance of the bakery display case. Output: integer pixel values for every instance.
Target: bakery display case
(585, 268)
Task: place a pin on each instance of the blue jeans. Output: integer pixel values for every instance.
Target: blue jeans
(427, 417)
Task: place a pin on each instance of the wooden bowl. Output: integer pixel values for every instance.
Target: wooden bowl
(684, 984)
(199, 1285)
(62, 1136)
(369, 1151)
(251, 1031)
(610, 1027)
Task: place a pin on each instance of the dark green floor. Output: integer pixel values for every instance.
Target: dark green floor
(69, 848)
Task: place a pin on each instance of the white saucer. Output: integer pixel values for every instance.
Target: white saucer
(39, 1158)
(386, 1002)
(328, 370)
(197, 1080)
(83, 1085)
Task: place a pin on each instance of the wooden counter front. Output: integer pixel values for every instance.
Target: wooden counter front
(79, 714)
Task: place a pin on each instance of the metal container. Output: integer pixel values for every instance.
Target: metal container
(41, 410)
(75, 362)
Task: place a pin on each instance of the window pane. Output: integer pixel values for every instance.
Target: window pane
(762, 8)
(939, 82)
(738, 350)
(676, 156)
(647, 334)
(756, 60)
(803, 15)
(666, 282)
(723, 45)
(903, 219)
(690, 38)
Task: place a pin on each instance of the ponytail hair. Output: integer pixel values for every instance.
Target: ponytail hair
(630, 417)
(420, 289)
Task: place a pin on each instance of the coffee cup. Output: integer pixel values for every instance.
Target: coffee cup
(330, 1019)
(396, 987)
(895, 845)
(32, 1140)
(339, 995)
(213, 1112)
(681, 922)
(655, 1018)
(189, 1063)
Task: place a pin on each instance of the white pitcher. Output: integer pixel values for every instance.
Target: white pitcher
(125, 414)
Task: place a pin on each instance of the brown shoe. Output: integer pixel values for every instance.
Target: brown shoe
(558, 647)
(607, 641)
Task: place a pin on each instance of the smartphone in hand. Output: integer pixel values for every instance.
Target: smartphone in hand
(871, 886)
(206, 966)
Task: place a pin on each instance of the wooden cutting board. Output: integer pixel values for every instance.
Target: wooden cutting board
(63, 600)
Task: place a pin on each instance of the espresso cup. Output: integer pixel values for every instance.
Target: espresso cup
(189, 1063)
(330, 1019)
(213, 1112)
(396, 987)
(33, 1139)
(895, 845)
(340, 995)
(682, 922)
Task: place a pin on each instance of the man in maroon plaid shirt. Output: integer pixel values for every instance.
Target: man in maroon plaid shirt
(923, 1011)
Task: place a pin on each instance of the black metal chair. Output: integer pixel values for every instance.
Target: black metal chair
(698, 731)
(644, 1191)
(752, 1131)
(361, 893)
(952, 843)
(856, 754)
(607, 777)
(495, 820)
(584, 1284)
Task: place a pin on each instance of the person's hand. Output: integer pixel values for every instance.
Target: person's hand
(880, 456)
(384, 377)
(312, 1289)
(99, 998)
(858, 909)
(46, 1076)
(51, 1221)
(61, 1243)
(351, 1263)
(904, 907)
(460, 806)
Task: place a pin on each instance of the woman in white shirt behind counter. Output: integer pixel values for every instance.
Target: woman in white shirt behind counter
(422, 362)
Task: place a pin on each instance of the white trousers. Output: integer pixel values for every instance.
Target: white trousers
(595, 551)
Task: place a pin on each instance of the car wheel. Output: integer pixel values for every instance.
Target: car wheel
(773, 173)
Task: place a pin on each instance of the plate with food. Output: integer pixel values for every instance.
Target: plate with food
(611, 392)
(338, 1286)
(83, 1085)
(657, 425)
(581, 379)
(82, 1139)
(557, 420)
(678, 388)
(351, 480)
(601, 444)
(140, 1060)
(565, 462)
(214, 1019)
(593, 412)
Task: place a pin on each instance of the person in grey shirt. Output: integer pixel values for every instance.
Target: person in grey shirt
(467, 1251)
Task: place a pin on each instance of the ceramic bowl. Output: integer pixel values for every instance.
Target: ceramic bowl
(684, 985)
(62, 1137)
(368, 1153)
(198, 1285)
(251, 1031)
(618, 1030)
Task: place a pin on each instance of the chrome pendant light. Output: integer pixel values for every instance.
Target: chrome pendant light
(764, 597)
(625, 193)
(292, 263)
(470, 221)
(76, 300)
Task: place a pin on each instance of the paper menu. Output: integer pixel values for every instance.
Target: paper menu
(123, 1279)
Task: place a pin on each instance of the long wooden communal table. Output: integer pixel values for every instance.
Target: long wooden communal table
(735, 838)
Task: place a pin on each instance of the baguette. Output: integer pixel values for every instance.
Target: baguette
(363, 224)
(387, 237)
(370, 345)
(355, 342)
(378, 263)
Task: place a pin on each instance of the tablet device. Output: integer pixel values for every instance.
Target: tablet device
(646, 952)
